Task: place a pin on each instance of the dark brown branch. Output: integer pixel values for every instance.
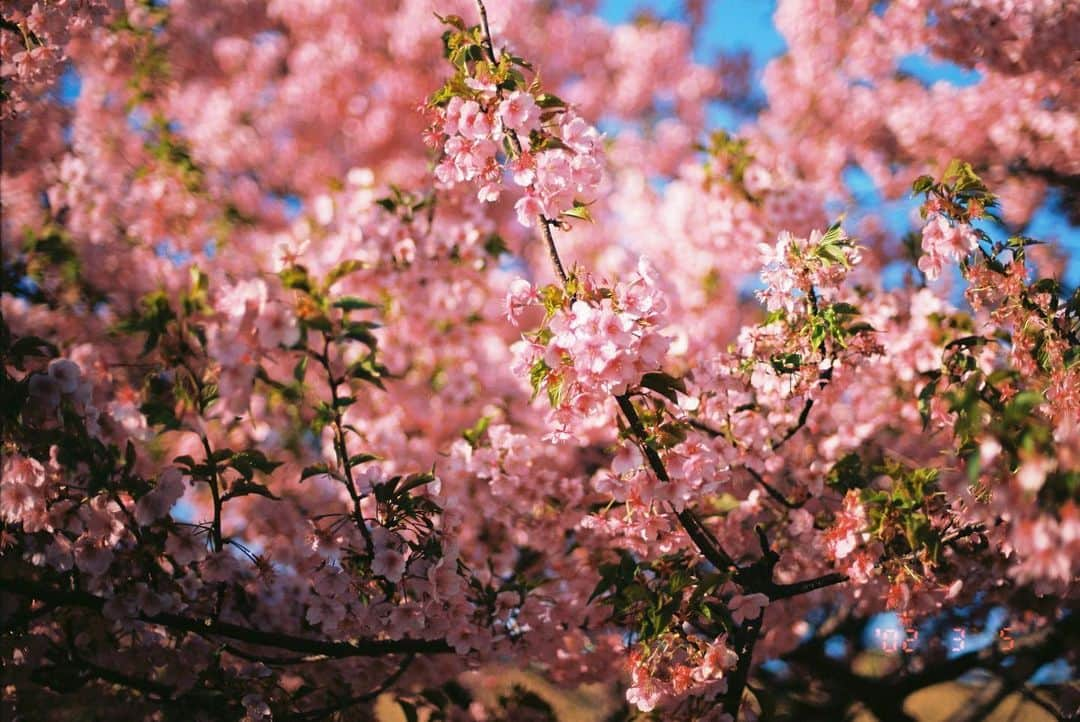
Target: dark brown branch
(747, 639)
(1068, 181)
(215, 494)
(20, 620)
(979, 705)
(268, 659)
(112, 676)
(773, 491)
(341, 446)
(757, 575)
(1030, 651)
(1033, 696)
(823, 378)
(27, 35)
(884, 695)
(211, 627)
(786, 591)
(549, 240)
(488, 45)
(359, 699)
(703, 427)
(697, 532)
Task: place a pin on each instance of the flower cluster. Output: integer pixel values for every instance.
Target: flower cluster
(24, 492)
(697, 670)
(251, 321)
(487, 132)
(593, 343)
(943, 242)
(845, 538)
(794, 268)
(560, 167)
(62, 381)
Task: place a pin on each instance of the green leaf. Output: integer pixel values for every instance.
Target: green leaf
(555, 392)
(774, 316)
(495, 246)
(832, 253)
(352, 303)
(664, 384)
(415, 480)
(552, 297)
(786, 363)
(300, 369)
(252, 460)
(1071, 357)
(1022, 242)
(473, 434)
(834, 233)
(295, 277)
(246, 488)
(538, 375)
(580, 210)
(845, 308)
(341, 270)
(319, 323)
(521, 61)
(925, 396)
(860, 327)
(922, 184)
(358, 459)
(847, 474)
(367, 369)
(1046, 285)
(548, 100)
(220, 455)
(454, 21)
(361, 331)
(32, 346)
(314, 470)
(967, 342)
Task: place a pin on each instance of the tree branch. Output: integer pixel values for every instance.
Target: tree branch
(211, 627)
(695, 529)
(543, 222)
(359, 699)
(823, 379)
(748, 636)
(702, 538)
(785, 591)
(773, 491)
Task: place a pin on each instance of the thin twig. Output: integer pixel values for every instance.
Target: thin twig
(786, 591)
(695, 529)
(773, 491)
(543, 223)
(359, 699)
(823, 379)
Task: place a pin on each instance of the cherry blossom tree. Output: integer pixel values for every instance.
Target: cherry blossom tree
(347, 347)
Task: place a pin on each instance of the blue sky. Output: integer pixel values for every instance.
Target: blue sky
(733, 25)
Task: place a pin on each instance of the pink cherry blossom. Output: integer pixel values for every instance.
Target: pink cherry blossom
(519, 112)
